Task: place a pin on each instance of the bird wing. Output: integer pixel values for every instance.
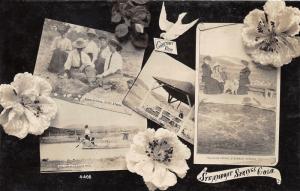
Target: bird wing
(164, 24)
(179, 28)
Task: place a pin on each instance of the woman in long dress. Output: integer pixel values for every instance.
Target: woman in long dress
(211, 85)
(103, 52)
(244, 80)
(61, 45)
(91, 48)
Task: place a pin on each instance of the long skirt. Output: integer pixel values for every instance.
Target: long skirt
(243, 90)
(57, 62)
(212, 86)
(243, 86)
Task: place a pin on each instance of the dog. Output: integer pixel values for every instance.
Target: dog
(231, 85)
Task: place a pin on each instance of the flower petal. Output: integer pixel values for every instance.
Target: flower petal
(24, 84)
(4, 116)
(181, 151)
(150, 186)
(250, 33)
(136, 154)
(131, 166)
(143, 138)
(254, 17)
(37, 125)
(18, 126)
(48, 106)
(269, 35)
(7, 95)
(43, 87)
(30, 85)
(180, 167)
(288, 23)
(162, 133)
(273, 7)
(145, 169)
(162, 177)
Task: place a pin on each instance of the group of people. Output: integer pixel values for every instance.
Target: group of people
(214, 77)
(85, 60)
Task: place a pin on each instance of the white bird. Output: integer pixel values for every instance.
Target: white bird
(173, 30)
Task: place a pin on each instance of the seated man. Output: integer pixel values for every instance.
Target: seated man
(79, 65)
(113, 61)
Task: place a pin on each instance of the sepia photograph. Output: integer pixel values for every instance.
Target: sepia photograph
(87, 66)
(238, 101)
(83, 138)
(164, 92)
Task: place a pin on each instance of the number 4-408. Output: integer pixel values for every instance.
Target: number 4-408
(85, 176)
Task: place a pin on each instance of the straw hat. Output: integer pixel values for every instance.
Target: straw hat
(216, 65)
(115, 44)
(79, 43)
(92, 31)
(245, 62)
(102, 36)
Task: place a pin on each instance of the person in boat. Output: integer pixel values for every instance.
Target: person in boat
(244, 81)
(79, 65)
(87, 133)
(91, 48)
(61, 47)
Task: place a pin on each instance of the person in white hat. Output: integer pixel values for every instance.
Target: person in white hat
(79, 65)
(216, 72)
(91, 48)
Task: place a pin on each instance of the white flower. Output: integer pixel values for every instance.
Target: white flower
(27, 107)
(269, 35)
(156, 156)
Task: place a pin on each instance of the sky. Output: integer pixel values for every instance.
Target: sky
(161, 65)
(224, 42)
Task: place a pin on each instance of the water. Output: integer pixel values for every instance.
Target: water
(67, 151)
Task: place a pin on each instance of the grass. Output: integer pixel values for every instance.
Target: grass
(73, 90)
(234, 129)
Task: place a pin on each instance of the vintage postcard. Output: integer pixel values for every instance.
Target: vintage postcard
(164, 92)
(87, 66)
(237, 101)
(84, 138)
